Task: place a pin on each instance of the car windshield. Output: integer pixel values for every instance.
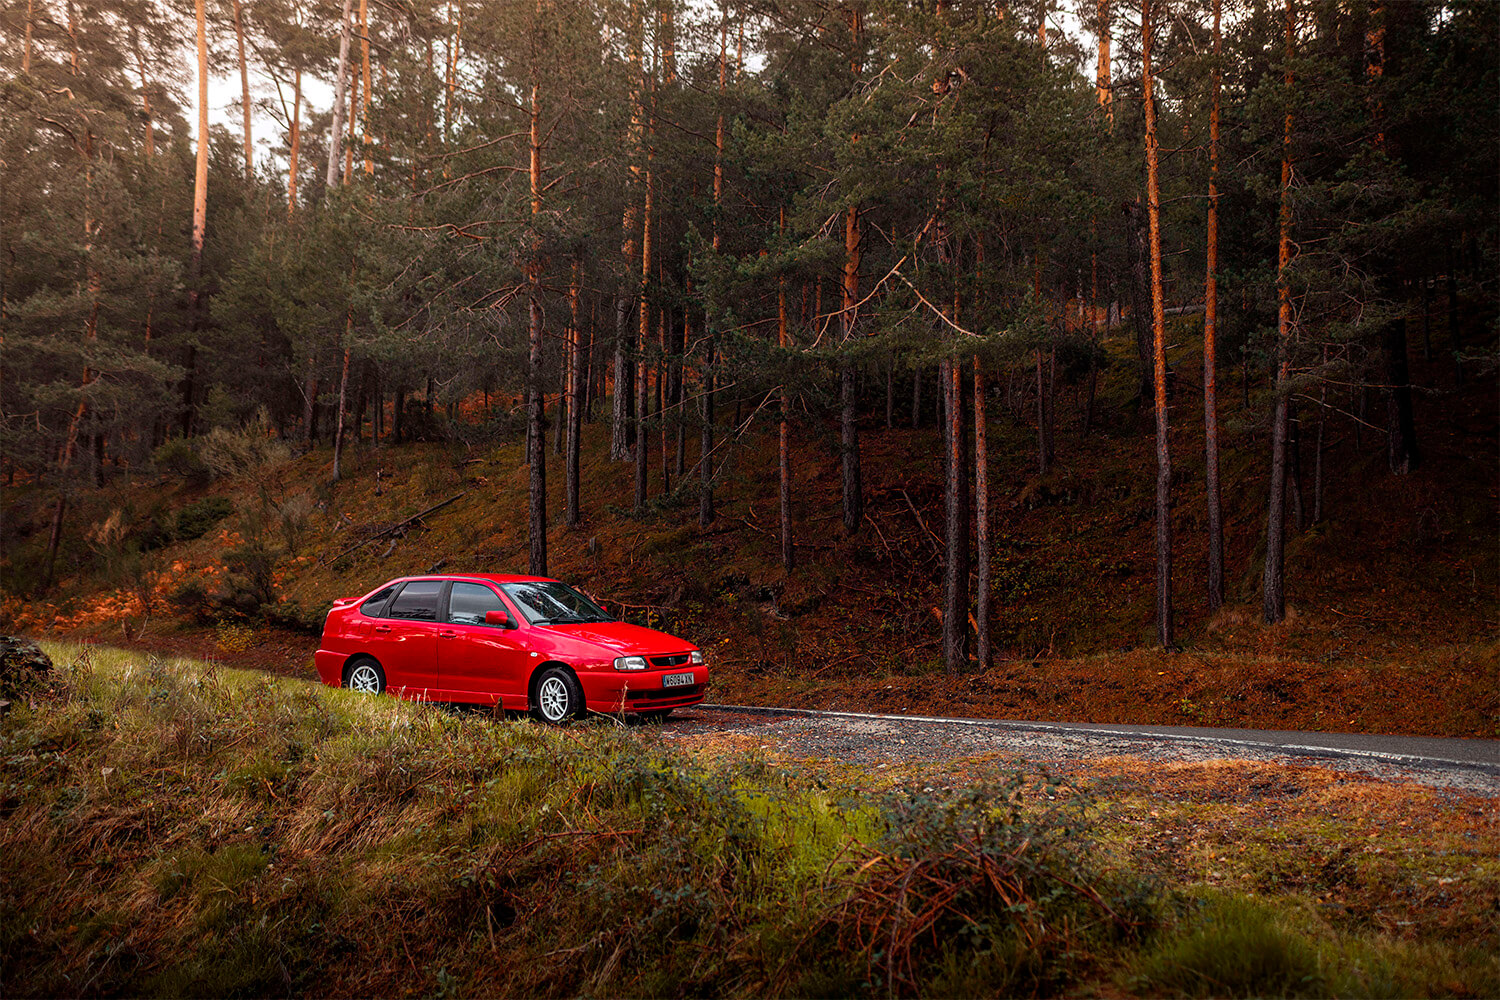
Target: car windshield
(553, 603)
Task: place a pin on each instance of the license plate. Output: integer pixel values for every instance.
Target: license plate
(676, 680)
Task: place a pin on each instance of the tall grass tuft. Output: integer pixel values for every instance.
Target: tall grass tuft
(1236, 947)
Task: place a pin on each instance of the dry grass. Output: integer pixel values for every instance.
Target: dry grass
(176, 828)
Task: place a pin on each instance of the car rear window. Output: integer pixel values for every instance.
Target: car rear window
(418, 601)
(376, 603)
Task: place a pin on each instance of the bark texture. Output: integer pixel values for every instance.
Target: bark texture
(1273, 595)
(1210, 339)
(1158, 348)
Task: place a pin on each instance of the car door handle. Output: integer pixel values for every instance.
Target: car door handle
(447, 634)
(382, 628)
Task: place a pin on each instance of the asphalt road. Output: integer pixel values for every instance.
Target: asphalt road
(1470, 764)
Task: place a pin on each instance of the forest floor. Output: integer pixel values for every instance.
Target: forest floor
(1394, 593)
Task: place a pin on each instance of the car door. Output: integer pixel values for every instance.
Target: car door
(477, 661)
(405, 638)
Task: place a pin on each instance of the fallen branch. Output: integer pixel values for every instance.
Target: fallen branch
(936, 544)
(395, 527)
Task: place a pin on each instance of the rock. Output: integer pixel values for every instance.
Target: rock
(23, 667)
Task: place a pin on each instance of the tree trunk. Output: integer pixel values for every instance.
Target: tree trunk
(1317, 512)
(619, 440)
(589, 361)
(1294, 466)
(642, 367)
(643, 338)
(642, 430)
(140, 61)
(706, 439)
(1455, 335)
(1043, 438)
(1159, 350)
(200, 220)
(663, 394)
(296, 143)
(1210, 343)
(1103, 87)
(916, 397)
(575, 394)
(1139, 300)
(1401, 427)
(982, 519)
(1426, 318)
(364, 46)
(377, 419)
(338, 424)
(679, 389)
(625, 431)
(890, 395)
(451, 81)
(1273, 596)
(26, 55)
(535, 425)
(353, 121)
(853, 491)
(564, 382)
(706, 389)
(783, 450)
(340, 94)
(955, 523)
(200, 174)
(239, 38)
(54, 541)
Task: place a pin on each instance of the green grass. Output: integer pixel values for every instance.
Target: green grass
(174, 828)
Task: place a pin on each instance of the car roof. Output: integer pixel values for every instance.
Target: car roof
(488, 577)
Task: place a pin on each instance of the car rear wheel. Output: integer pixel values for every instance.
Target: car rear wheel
(558, 696)
(364, 675)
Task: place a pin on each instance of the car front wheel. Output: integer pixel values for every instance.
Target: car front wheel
(558, 696)
(364, 675)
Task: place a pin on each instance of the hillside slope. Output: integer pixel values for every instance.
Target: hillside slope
(1393, 610)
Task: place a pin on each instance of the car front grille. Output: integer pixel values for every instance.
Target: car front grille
(675, 660)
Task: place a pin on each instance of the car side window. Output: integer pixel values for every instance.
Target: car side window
(376, 604)
(418, 601)
(468, 602)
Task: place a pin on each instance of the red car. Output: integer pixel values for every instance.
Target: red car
(519, 642)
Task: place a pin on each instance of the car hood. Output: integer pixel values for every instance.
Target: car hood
(623, 638)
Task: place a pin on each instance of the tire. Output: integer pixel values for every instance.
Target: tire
(364, 674)
(559, 697)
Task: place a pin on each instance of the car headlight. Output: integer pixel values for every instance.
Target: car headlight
(696, 656)
(630, 663)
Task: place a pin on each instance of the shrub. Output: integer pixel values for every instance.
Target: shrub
(251, 581)
(251, 448)
(179, 457)
(292, 615)
(292, 516)
(190, 598)
(195, 520)
(977, 892)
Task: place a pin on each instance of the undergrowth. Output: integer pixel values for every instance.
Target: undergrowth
(174, 828)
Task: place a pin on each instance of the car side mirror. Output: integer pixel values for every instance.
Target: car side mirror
(499, 618)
